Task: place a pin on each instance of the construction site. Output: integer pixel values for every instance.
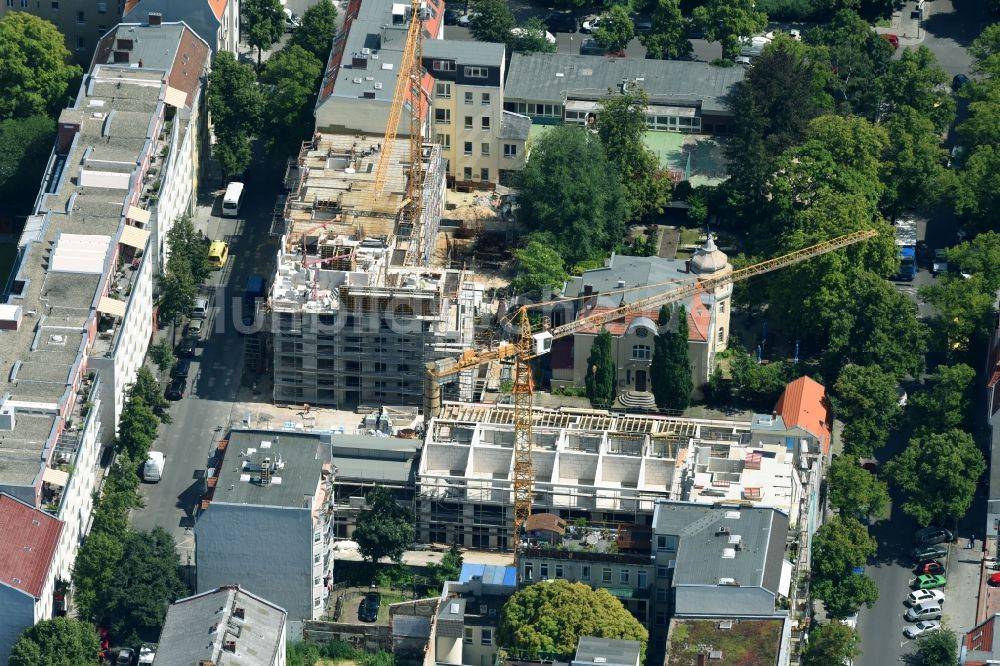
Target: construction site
(357, 307)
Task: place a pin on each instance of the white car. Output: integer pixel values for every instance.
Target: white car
(742, 60)
(921, 596)
(921, 628)
(292, 21)
(795, 34)
(526, 32)
(590, 24)
(465, 20)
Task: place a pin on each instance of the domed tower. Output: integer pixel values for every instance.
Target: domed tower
(710, 261)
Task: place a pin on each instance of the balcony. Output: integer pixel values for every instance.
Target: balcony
(120, 288)
(66, 452)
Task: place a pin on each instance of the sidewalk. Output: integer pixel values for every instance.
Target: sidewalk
(964, 585)
(905, 27)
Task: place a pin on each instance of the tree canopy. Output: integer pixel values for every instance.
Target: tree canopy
(946, 399)
(670, 370)
(384, 529)
(150, 392)
(621, 124)
(263, 24)
(616, 29)
(319, 25)
(35, 73)
(937, 472)
(291, 78)
(539, 266)
(854, 491)
(60, 641)
(839, 546)
(938, 648)
(831, 644)
(726, 21)
(915, 176)
(571, 190)
(25, 144)
(867, 400)
(492, 21)
(236, 104)
(549, 619)
(602, 375)
(668, 37)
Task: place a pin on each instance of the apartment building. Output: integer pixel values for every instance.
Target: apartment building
(225, 626)
(633, 336)
(607, 468)
(356, 310)
(687, 97)
(464, 629)
(463, 91)
(29, 572)
(266, 521)
(616, 558)
(217, 22)
(82, 22)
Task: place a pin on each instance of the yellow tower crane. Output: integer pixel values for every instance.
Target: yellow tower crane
(530, 344)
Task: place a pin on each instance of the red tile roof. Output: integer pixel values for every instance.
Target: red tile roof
(804, 405)
(980, 639)
(28, 545)
(699, 318)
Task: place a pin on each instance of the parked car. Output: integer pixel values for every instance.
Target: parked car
(928, 582)
(465, 20)
(959, 81)
(187, 347)
(124, 657)
(590, 24)
(742, 60)
(921, 628)
(176, 389)
(292, 21)
(182, 368)
(451, 16)
(643, 24)
(369, 607)
(932, 568)
(527, 32)
(920, 596)
(928, 553)
(994, 580)
(795, 34)
(194, 328)
(929, 536)
(892, 39)
(928, 610)
(589, 46)
(561, 22)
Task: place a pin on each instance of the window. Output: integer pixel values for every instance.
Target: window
(487, 637)
(722, 335)
(24, 4)
(641, 332)
(442, 90)
(442, 116)
(444, 140)
(55, 4)
(10, 3)
(543, 570)
(486, 122)
(468, 636)
(559, 571)
(484, 174)
(102, 30)
(80, 18)
(606, 575)
(661, 594)
(443, 66)
(510, 150)
(102, 8)
(468, 122)
(485, 149)
(641, 353)
(662, 571)
(661, 619)
(81, 44)
(640, 579)
(468, 98)
(476, 72)
(528, 571)
(623, 576)
(722, 307)
(485, 99)
(661, 543)
(467, 173)
(468, 147)
(585, 572)
(316, 580)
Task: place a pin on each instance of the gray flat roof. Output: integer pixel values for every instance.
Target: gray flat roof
(468, 52)
(609, 650)
(197, 627)
(366, 458)
(709, 535)
(549, 77)
(296, 461)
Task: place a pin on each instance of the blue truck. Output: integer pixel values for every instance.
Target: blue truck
(251, 297)
(906, 241)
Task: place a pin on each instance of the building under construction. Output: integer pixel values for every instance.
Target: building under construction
(356, 309)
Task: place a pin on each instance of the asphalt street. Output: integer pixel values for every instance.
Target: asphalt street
(202, 417)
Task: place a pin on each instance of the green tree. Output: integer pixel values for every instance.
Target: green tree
(147, 581)
(319, 25)
(980, 256)
(137, 428)
(530, 37)
(292, 78)
(985, 51)
(977, 195)
(670, 370)
(916, 176)
(916, 80)
(758, 384)
(854, 491)
(185, 240)
(946, 400)
(981, 128)
(539, 266)
(668, 38)
(938, 648)
(551, 618)
(867, 400)
(93, 571)
(35, 73)
(938, 473)
(602, 375)
(236, 104)
(60, 641)
(385, 529)
(162, 354)
(621, 124)
(492, 21)
(838, 547)
(449, 568)
(831, 644)
(150, 392)
(263, 24)
(726, 21)
(616, 29)
(25, 144)
(178, 290)
(570, 189)
(845, 596)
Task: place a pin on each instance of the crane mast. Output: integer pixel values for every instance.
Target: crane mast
(529, 344)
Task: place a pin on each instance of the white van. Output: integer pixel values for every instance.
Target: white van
(233, 199)
(152, 471)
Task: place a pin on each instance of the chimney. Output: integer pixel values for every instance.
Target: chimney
(621, 284)
(239, 613)
(687, 266)
(155, 18)
(229, 646)
(588, 290)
